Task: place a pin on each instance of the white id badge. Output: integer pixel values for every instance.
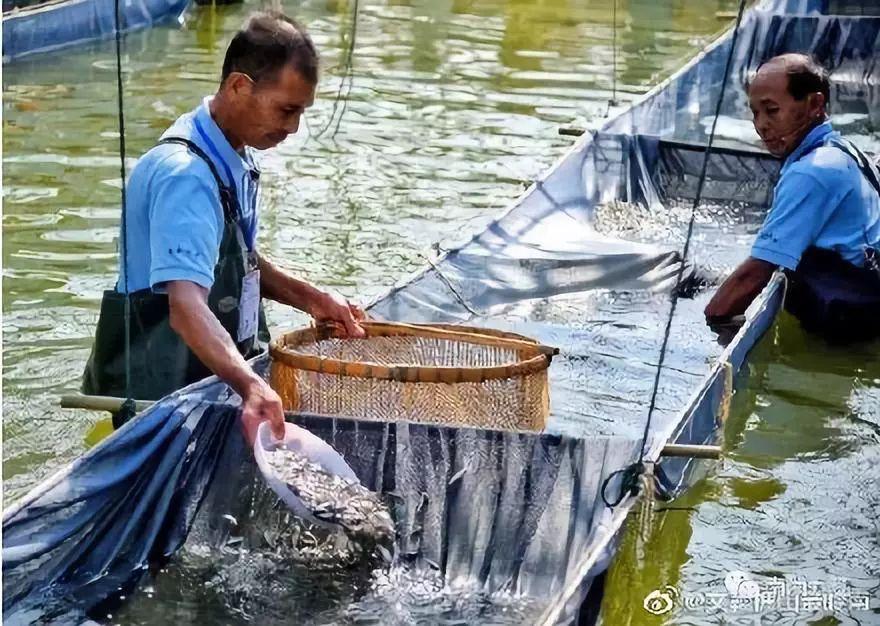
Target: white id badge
(249, 305)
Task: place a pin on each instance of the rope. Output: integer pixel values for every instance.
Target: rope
(727, 396)
(347, 79)
(455, 292)
(630, 474)
(613, 101)
(128, 407)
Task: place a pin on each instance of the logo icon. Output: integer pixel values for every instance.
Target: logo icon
(660, 601)
(740, 585)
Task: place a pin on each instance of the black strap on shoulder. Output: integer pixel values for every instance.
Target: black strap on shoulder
(871, 172)
(868, 167)
(228, 199)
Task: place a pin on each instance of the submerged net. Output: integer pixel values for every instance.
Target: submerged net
(261, 564)
(473, 377)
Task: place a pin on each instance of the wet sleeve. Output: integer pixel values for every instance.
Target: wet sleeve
(185, 226)
(801, 207)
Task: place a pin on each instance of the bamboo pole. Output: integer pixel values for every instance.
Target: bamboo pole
(112, 404)
(571, 131)
(99, 403)
(692, 451)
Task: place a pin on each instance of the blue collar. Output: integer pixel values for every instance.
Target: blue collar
(813, 140)
(232, 163)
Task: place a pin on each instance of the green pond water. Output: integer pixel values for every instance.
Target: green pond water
(451, 108)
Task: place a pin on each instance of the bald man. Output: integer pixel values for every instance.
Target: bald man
(824, 225)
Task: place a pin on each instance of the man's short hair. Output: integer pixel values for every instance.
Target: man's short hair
(805, 76)
(267, 42)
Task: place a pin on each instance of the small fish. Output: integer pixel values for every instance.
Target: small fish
(334, 499)
(458, 475)
(385, 553)
(270, 541)
(230, 519)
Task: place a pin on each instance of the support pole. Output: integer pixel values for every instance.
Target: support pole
(100, 403)
(571, 131)
(112, 404)
(692, 451)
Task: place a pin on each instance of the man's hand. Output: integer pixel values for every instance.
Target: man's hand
(329, 308)
(261, 403)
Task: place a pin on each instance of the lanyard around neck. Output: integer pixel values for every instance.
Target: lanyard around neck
(250, 227)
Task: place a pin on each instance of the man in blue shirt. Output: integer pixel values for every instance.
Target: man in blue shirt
(825, 212)
(190, 275)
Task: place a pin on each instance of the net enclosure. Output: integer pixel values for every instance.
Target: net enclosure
(419, 373)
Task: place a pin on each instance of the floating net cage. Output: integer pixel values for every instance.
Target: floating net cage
(429, 374)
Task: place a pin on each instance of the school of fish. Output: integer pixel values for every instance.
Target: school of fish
(335, 500)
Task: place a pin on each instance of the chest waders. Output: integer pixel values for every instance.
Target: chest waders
(160, 361)
(831, 296)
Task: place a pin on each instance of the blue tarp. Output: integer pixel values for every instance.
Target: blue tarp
(490, 511)
(55, 25)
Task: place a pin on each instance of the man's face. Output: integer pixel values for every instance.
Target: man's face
(780, 120)
(271, 109)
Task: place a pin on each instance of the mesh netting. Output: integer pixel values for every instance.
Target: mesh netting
(517, 400)
(411, 351)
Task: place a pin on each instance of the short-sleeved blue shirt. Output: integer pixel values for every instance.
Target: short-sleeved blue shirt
(174, 222)
(822, 199)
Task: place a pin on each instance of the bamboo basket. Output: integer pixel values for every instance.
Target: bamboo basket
(429, 374)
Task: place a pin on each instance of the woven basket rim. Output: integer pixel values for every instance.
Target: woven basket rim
(533, 357)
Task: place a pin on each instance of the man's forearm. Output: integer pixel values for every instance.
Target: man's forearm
(737, 292)
(278, 285)
(324, 307)
(202, 332)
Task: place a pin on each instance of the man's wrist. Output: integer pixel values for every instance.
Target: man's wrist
(314, 301)
(249, 384)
